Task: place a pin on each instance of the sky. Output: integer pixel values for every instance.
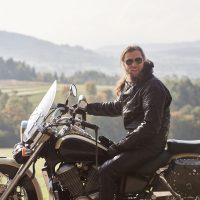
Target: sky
(96, 23)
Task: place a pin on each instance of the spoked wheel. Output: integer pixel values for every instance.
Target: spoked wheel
(23, 191)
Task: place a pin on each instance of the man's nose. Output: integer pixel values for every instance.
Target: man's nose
(133, 64)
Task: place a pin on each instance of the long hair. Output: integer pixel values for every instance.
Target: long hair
(121, 83)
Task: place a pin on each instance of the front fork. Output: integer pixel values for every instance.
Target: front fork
(49, 184)
(23, 168)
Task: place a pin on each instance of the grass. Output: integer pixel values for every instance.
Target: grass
(7, 152)
(36, 90)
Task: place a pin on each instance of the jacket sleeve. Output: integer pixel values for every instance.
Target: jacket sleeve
(105, 109)
(153, 104)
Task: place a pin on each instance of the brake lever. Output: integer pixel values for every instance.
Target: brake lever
(61, 110)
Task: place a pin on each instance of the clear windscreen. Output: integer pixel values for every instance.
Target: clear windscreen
(39, 114)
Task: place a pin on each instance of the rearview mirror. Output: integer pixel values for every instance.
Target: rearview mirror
(72, 90)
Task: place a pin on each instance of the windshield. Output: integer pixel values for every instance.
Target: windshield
(40, 112)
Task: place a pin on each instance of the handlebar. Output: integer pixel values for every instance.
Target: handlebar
(63, 109)
(89, 125)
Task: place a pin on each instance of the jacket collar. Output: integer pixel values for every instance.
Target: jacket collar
(146, 73)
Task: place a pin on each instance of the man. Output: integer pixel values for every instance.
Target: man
(144, 104)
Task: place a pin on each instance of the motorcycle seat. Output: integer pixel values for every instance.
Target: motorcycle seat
(183, 146)
(138, 179)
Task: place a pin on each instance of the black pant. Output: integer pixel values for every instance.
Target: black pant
(111, 171)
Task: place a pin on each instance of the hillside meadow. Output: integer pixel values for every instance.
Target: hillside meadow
(36, 90)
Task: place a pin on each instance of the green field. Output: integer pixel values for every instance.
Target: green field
(8, 153)
(36, 90)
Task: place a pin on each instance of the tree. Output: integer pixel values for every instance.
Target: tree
(11, 69)
(64, 91)
(16, 109)
(48, 77)
(55, 76)
(62, 78)
(109, 94)
(184, 91)
(13, 109)
(3, 99)
(90, 88)
(80, 77)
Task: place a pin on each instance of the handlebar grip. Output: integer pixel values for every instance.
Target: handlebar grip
(80, 111)
(89, 125)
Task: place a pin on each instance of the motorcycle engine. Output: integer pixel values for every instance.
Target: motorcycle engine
(79, 179)
(184, 176)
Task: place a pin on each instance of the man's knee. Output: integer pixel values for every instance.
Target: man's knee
(105, 169)
(109, 168)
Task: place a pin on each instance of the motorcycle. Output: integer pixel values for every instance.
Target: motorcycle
(72, 156)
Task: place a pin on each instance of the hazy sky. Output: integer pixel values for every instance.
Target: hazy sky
(96, 23)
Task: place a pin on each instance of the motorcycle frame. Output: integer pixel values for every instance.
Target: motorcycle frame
(40, 141)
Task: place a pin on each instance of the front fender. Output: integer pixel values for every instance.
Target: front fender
(13, 163)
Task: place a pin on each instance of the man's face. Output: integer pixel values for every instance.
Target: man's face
(133, 63)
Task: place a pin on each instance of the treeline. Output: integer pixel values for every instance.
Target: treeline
(99, 78)
(13, 109)
(11, 69)
(185, 109)
(17, 70)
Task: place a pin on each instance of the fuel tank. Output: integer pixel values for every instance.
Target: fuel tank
(79, 148)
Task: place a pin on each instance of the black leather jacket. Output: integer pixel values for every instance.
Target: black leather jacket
(144, 107)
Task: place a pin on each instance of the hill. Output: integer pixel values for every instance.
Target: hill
(175, 58)
(46, 56)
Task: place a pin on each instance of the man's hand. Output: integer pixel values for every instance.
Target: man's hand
(112, 151)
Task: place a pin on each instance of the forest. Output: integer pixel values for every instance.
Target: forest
(17, 70)
(185, 111)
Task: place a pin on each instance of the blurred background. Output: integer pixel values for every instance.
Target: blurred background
(81, 41)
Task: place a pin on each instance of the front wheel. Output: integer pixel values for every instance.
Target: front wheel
(25, 189)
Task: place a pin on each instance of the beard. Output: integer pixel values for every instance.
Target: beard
(134, 77)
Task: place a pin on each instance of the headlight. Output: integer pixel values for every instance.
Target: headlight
(23, 127)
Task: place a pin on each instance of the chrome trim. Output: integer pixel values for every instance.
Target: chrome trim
(59, 142)
(184, 155)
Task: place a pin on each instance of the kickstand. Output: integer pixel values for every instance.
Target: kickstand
(164, 181)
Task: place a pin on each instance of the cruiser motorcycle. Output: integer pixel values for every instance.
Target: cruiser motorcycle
(59, 134)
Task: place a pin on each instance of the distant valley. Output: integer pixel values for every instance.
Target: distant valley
(175, 58)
